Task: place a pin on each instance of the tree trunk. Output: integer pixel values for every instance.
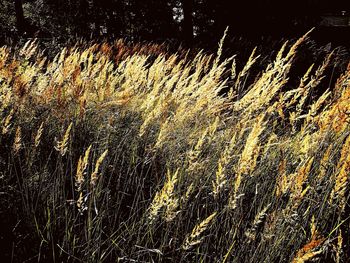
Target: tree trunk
(187, 6)
(19, 16)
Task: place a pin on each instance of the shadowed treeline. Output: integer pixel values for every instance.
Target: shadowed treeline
(181, 20)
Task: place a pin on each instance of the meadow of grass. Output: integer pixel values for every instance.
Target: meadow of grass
(128, 153)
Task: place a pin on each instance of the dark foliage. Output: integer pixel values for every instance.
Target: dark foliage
(183, 20)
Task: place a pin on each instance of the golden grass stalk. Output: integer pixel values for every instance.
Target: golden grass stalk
(339, 251)
(241, 75)
(314, 82)
(315, 107)
(188, 193)
(79, 178)
(251, 149)
(17, 144)
(94, 175)
(235, 197)
(80, 203)
(313, 227)
(325, 162)
(306, 143)
(337, 115)
(81, 169)
(283, 183)
(304, 256)
(193, 156)
(234, 69)
(195, 237)
(6, 95)
(221, 172)
(171, 210)
(62, 146)
(294, 48)
(165, 197)
(29, 49)
(296, 184)
(291, 97)
(300, 178)
(258, 221)
(269, 85)
(220, 179)
(342, 181)
(4, 55)
(38, 135)
(308, 251)
(7, 122)
(221, 46)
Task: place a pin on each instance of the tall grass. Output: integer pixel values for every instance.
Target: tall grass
(115, 153)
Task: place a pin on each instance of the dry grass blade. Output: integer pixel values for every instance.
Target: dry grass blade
(195, 237)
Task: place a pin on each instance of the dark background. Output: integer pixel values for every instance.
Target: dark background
(186, 21)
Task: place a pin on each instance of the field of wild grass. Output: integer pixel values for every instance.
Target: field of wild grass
(128, 153)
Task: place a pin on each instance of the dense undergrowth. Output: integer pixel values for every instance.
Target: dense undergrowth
(131, 154)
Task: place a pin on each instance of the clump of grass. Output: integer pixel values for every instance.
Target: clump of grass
(129, 151)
